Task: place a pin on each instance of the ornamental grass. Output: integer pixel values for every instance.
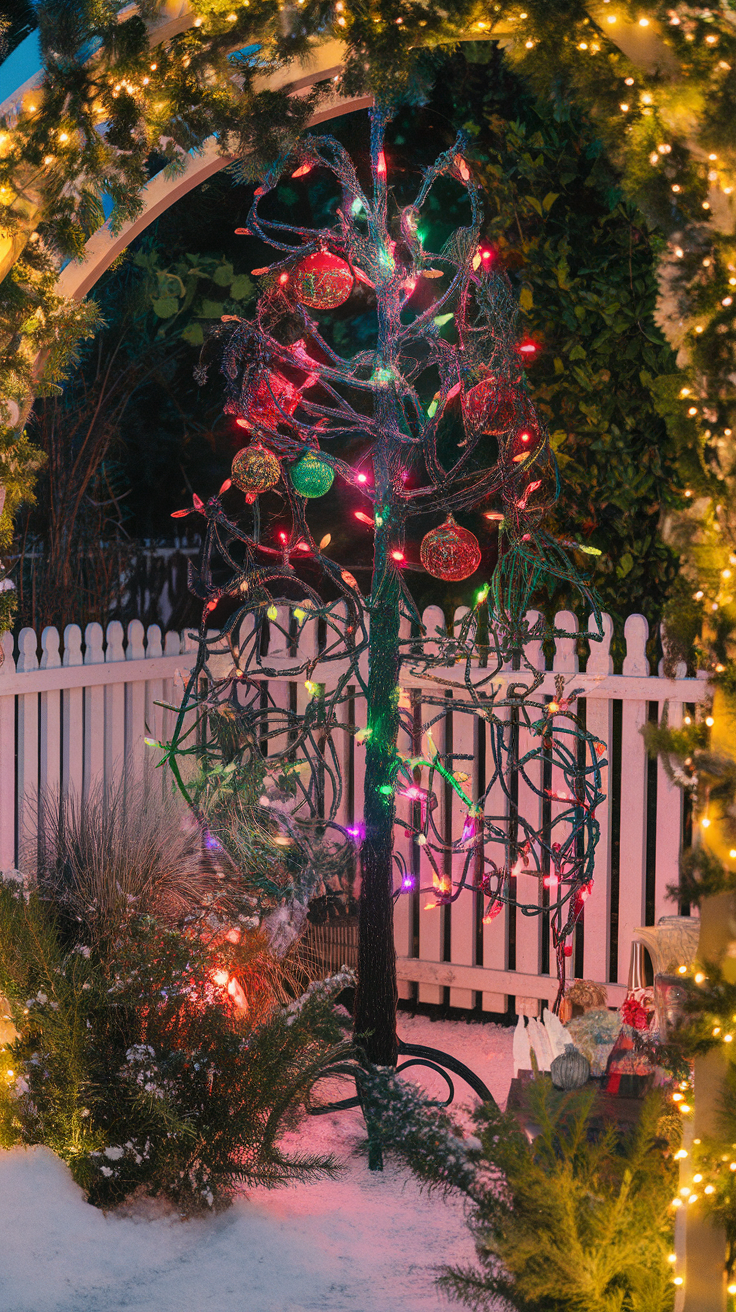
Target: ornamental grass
(152, 1038)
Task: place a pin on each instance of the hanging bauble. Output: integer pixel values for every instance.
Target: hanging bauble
(271, 399)
(312, 477)
(255, 469)
(490, 407)
(322, 280)
(450, 552)
(477, 402)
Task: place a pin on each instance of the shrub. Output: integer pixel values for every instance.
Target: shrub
(577, 1220)
(156, 1059)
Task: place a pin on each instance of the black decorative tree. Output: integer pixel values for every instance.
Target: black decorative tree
(433, 420)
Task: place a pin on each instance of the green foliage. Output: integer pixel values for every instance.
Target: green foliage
(139, 1069)
(180, 295)
(577, 1220)
(584, 261)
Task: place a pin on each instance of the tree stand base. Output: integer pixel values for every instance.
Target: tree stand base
(418, 1055)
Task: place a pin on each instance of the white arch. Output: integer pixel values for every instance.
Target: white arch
(78, 277)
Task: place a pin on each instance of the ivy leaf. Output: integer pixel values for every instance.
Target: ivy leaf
(223, 275)
(625, 565)
(241, 287)
(532, 200)
(165, 307)
(193, 334)
(211, 309)
(526, 298)
(577, 353)
(549, 200)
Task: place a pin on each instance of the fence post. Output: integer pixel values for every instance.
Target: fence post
(7, 758)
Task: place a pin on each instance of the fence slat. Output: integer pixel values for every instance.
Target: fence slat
(94, 711)
(49, 774)
(135, 706)
(528, 886)
(7, 760)
(403, 842)
(431, 919)
(462, 912)
(114, 709)
(597, 911)
(154, 716)
(72, 717)
(632, 877)
(669, 828)
(172, 647)
(27, 766)
(495, 934)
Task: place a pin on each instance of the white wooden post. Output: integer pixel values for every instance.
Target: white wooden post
(7, 758)
(567, 663)
(632, 871)
(114, 709)
(50, 740)
(403, 844)
(528, 886)
(462, 912)
(135, 707)
(599, 722)
(72, 717)
(27, 798)
(154, 716)
(431, 922)
(94, 712)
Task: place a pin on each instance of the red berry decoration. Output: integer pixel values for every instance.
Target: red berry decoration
(450, 552)
(255, 470)
(322, 280)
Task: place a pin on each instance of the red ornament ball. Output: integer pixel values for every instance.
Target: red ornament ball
(272, 397)
(322, 280)
(450, 552)
(255, 470)
(490, 408)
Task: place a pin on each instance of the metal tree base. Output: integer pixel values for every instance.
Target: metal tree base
(419, 1055)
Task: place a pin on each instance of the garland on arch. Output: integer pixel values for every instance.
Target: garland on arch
(115, 105)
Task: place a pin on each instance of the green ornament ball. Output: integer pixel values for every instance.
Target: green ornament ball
(312, 477)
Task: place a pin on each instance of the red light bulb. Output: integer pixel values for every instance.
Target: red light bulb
(398, 555)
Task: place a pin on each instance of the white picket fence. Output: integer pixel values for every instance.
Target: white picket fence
(80, 713)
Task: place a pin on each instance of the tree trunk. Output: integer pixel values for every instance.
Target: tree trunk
(377, 993)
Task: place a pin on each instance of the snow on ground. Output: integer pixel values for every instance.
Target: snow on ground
(366, 1242)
